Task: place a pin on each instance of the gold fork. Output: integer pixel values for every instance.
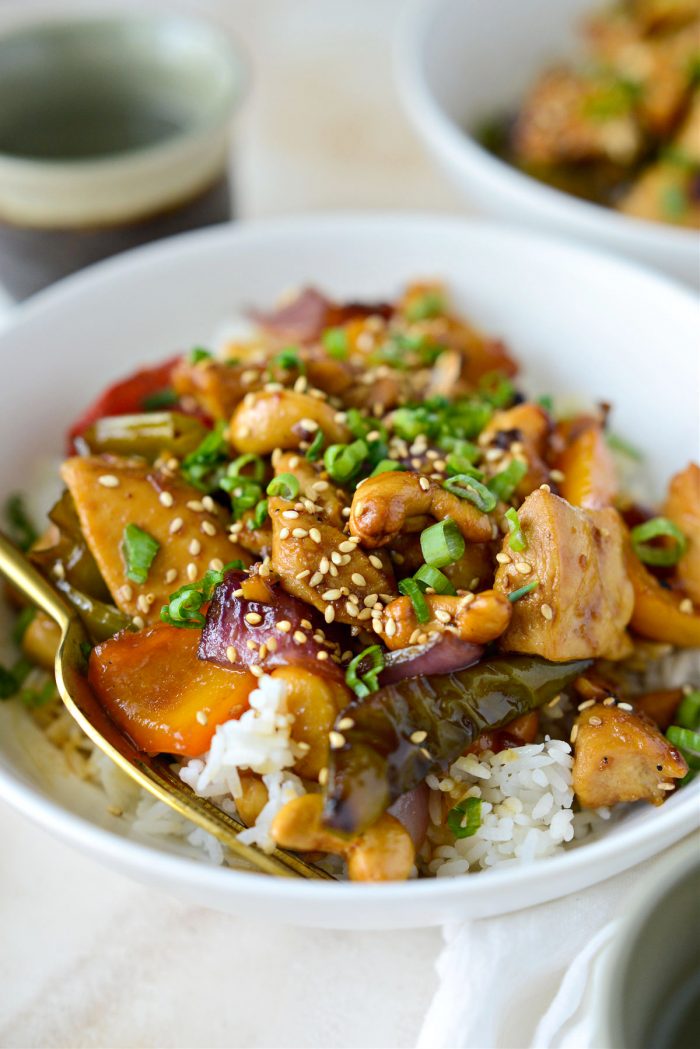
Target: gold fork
(153, 774)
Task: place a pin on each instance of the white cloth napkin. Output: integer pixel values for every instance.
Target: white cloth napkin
(524, 979)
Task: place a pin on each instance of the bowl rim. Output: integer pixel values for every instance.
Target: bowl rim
(466, 154)
(590, 862)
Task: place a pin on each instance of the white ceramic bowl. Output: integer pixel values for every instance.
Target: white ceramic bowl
(459, 62)
(585, 324)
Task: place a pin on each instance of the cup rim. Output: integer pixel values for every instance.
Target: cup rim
(233, 56)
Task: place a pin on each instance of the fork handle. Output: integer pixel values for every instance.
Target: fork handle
(29, 580)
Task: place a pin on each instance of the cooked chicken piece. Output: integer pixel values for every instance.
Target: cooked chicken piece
(111, 492)
(683, 508)
(328, 499)
(476, 618)
(620, 756)
(217, 387)
(522, 433)
(572, 117)
(283, 419)
(324, 567)
(583, 600)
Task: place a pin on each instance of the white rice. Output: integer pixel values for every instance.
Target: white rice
(259, 741)
(527, 812)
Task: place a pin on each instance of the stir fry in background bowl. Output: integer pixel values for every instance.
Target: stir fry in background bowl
(368, 596)
(620, 124)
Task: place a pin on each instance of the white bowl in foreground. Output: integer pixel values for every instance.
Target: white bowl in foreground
(460, 62)
(582, 324)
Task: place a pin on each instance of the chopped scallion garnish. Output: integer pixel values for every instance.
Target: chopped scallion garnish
(139, 549)
(457, 464)
(432, 577)
(343, 461)
(523, 591)
(385, 466)
(464, 819)
(688, 713)
(198, 353)
(410, 588)
(658, 555)
(315, 449)
(466, 487)
(426, 306)
(362, 674)
(201, 467)
(504, 483)
(497, 389)
(284, 485)
(618, 444)
(250, 466)
(289, 360)
(335, 343)
(260, 515)
(442, 543)
(517, 540)
(159, 400)
(183, 608)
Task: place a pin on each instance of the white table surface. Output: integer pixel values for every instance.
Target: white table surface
(88, 958)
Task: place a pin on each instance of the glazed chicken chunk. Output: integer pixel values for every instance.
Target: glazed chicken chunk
(620, 756)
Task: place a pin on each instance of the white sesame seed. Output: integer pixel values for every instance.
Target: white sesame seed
(503, 559)
(208, 503)
(330, 595)
(588, 703)
(108, 481)
(595, 720)
(556, 475)
(546, 488)
(284, 625)
(686, 606)
(231, 654)
(574, 734)
(336, 740)
(271, 644)
(442, 616)
(284, 533)
(609, 701)
(523, 567)
(347, 547)
(201, 717)
(138, 622)
(315, 535)
(625, 706)
(323, 777)
(175, 525)
(358, 579)
(424, 483)
(216, 564)
(208, 528)
(390, 627)
(303, 574)
(142, 604)
(125, 592)
(322, 655)
(165, 499)
(329, 614)
(256, 670)
(316, 578)
(300, 637)
(291, 515)
(253, 618)
(195, 547)
(299, 533)
(196, 505)
(375, 561)
(418, 736)
(191, 571)
(546, 611)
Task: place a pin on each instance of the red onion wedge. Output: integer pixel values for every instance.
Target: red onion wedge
(290, 630)
(301, 320)
(411, 809)
(443, 654)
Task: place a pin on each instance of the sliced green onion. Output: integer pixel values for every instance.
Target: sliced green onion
(430, 576)
(361, 679)
(158, 400)
(198, 353)
(688, 742)
(8, 684)
(546, 401)
(385, 466)
(20, 527)
(139, 549)
(343, 461)
(183, 608)
(623, 447)
(201, 467)
(460, 448)
(442, 543)
(361, 425)
(259, 517)
(464, 819)
(688, 713)
(22, 622)
(289, 360)
(658, 555)
(466, 487)
(236, 468)
(674, 201)
(410, 588)
(335, 343)
(408, 423)
(425, 307)
(504, 483)
(316, 447)
(517, 540)
(497, 389)
(244, 492)
(457, 465)
(284, 485)
(523, 591)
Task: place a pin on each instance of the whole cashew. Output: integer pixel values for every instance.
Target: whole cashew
(475, 618)
(267, 420)
(395, 502)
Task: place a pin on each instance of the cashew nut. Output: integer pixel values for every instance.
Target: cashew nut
(267, 420)
(475, 618)
(384, 852)
(395, 502)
